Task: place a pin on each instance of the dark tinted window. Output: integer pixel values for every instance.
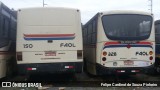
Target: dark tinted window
(90, 29)
(5, 28)
(157, 27)
(94, 26)
(127, 26)
(157, 31)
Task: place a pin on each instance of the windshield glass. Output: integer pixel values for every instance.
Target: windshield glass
(157, 31)
(127, 26)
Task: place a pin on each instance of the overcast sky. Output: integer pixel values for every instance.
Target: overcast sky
(89, 7)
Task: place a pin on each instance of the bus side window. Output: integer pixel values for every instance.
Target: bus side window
(90, 33)
(94, 32)
(5, 28)
(94, 26)
(86, 36)
(13, 30)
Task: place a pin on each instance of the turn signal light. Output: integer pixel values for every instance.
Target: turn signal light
(104, 53)
(151, 52)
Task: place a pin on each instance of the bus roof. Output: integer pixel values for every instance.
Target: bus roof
(2, 5)
(48, 8)
(157, 22)
(125, 12)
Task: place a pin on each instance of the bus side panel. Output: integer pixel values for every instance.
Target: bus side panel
(7, 42)
(90, 59)
(5, 59)
(2, 67)
(98, 65)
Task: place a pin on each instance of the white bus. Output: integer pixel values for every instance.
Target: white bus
(119, 42)
(49, 40)
(7, 41)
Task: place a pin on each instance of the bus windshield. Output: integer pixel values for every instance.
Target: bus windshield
(127, 26)
(157, 32)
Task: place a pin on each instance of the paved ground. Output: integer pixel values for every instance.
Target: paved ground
(80, 81)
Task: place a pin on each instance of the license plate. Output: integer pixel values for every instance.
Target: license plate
(50, 53)
(128, 62)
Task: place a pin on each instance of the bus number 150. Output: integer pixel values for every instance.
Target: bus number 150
(27, 45)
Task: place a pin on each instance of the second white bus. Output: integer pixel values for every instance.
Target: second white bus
(8, 21)
(119, 42)
(49, 40)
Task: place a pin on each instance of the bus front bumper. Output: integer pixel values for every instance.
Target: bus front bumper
(62, 67)
(101, 70)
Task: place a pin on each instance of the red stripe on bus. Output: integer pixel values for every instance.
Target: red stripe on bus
(114, 43)
(111, 43)
(47, 35)
(145, 43)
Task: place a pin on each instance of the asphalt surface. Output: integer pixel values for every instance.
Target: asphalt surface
(83, 81)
